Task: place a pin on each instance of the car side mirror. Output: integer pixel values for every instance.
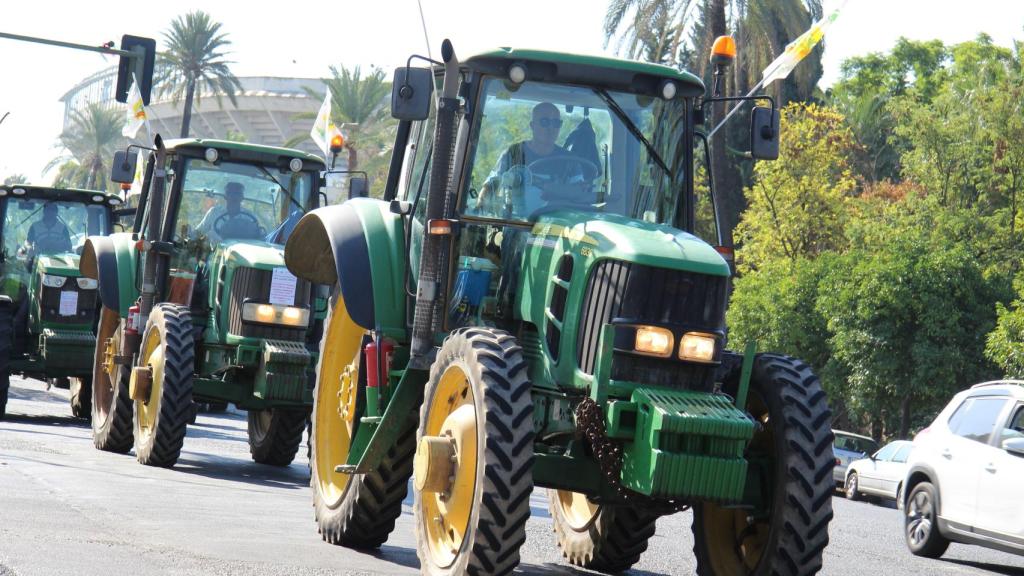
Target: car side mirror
(122, 169)
(358, 187)
(1014, 446)
(411, 92)
(764, 133)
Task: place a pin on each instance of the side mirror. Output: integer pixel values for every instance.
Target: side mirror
(411, 92)
(1014, 446)
(764, 133)
(122, 169)
(358, 187)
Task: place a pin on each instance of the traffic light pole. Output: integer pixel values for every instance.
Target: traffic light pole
(100, 49)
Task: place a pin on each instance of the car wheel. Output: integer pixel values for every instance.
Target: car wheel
(920, 526)
(851, 487)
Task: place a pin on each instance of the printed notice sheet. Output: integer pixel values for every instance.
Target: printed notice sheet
(68, 303)
(282, 287)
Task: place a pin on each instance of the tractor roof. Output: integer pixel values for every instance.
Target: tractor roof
(183, 143)
(595, 70)
(51, 193)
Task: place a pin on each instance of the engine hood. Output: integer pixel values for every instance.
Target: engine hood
(612, 236)
(253, 254)
(59, 264)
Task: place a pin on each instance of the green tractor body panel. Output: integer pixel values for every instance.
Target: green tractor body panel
(180, 144)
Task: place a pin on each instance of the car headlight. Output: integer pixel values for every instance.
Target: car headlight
(654, 340)
(275, 314)
(697, 347)
(51, 281)
(87, 283)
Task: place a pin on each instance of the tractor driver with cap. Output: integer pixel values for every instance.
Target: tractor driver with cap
(230, 221)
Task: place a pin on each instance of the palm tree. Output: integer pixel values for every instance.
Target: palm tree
(88, 143)
(194, 59)
(359, 107)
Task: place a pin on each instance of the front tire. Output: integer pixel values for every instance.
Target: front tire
(353, 510)
(112, 405)
(794, 437)
(477, 403)
(275, 435)
(604, 538)
(852, 484)
(161, 420)
(920, 522)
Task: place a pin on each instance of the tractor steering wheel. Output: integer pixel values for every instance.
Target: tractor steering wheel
(242, 225)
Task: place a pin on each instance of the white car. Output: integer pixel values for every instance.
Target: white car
(881, 474)
(965, 474)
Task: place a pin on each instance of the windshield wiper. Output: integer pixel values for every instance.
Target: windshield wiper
(287, 192)
(621, 114)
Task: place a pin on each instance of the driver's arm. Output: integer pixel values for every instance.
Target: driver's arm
(65, 239)
(485, 200)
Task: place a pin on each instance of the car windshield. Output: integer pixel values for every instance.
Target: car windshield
(855, 444)
(239, 201)
(35, 226)
(548, 146)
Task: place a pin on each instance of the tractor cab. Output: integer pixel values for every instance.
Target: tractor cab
(52, 308)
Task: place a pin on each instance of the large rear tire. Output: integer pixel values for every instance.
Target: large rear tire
(111, 406)
(161, 419)
(477, 419)
(275, 435)
(6, 333)
(794, 437)
(81, 397)
(353, 510)
(604, 538)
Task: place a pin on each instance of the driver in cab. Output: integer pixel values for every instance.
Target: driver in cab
(533, 173)
(48, 235)
(229, 221)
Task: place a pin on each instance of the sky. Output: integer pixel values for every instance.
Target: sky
(302, 39)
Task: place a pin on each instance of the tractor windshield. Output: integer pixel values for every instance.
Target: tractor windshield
(33, 226)
(542, 147)
(240, 201)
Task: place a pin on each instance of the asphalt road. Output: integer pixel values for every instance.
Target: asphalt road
(66, 508)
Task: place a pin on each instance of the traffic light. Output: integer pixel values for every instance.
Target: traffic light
(142, 66)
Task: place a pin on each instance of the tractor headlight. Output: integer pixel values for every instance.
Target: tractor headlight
(654, 340)
(697, 347)
(275, 314)
(87, 283)
(51, 281)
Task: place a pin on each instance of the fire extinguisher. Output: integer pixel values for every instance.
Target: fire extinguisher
(378, 368)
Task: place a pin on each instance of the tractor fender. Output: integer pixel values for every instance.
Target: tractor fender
(110, 260)
(359, 245)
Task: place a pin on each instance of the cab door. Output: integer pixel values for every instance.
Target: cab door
(960, 461)
(1000, 494)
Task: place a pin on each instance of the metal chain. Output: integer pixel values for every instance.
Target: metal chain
(608, 453)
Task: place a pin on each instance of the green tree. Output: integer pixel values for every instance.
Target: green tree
(15, 179)
(796, 206)
(194, 62)
(1005, 344)
(88, 144)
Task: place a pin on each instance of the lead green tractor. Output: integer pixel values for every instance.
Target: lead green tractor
(197, 305)
(47, 310)
(537, 302)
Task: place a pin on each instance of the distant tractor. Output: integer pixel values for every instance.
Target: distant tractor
(197, 305)
(47, 310)
(531, 305)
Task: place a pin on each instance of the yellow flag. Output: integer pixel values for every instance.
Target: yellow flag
(136, 112)
(323, 128)
(797, 50)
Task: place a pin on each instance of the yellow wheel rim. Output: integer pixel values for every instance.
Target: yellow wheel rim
(446, 515)
(578, 511)
(335, 406)
(736, 544)
(153, 357)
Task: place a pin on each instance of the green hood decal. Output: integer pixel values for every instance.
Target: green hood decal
(253, 254)
(59, 264)
(612, 236)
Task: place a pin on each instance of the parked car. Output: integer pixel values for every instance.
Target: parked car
(848, 447)
(965, 471)
(880, 474)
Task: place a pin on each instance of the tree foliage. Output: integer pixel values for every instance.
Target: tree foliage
(87, 148)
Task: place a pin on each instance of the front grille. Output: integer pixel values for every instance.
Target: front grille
(49, 304)
(633, 293)
(254, 285)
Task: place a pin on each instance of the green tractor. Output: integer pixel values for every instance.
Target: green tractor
(47, 310)
(537, 301)
(197, 305)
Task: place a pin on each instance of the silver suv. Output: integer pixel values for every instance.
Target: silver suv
(965, 472)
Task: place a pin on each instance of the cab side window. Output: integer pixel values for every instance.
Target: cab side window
(976, 418)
